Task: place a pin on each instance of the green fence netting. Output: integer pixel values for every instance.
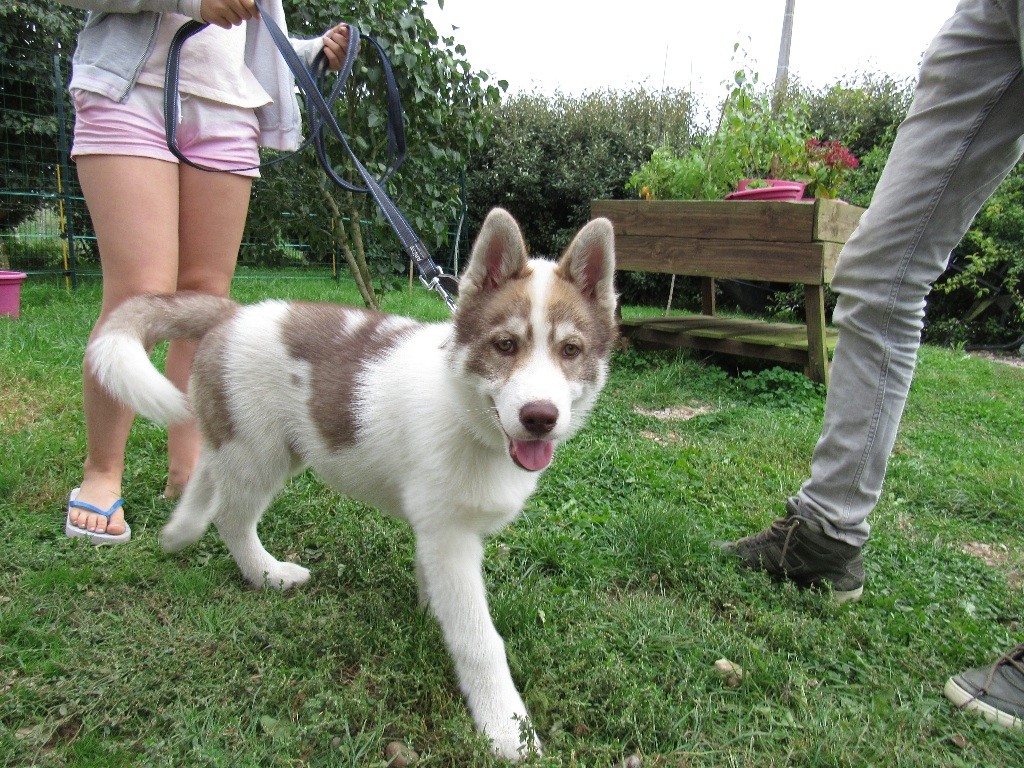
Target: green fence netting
(43, 221)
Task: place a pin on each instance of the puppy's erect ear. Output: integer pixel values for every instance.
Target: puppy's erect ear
(498, 254)
(589, 263)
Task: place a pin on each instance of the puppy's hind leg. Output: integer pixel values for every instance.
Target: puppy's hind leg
(243, 495)
(194, 511)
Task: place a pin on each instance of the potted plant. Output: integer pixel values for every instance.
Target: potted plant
(751, 147)
(682, 226)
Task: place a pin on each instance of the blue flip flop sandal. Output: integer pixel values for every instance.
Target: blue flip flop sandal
(94, 538)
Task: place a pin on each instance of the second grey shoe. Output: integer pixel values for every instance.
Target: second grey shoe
(796, 548)
(997, 692)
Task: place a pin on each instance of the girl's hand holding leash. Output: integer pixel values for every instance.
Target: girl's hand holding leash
(335, 45)
(227, 13)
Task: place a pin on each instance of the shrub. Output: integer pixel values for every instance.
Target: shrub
(547, 158)
(980, 300)
(862, 112)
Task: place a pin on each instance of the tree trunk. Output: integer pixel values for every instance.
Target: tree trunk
(356, 259)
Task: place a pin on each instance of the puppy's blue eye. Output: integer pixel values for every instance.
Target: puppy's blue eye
(571, 350)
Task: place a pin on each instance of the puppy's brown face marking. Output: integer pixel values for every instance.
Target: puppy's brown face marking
(581, 332)
(338, 343)
(494, 325)
(497, 327)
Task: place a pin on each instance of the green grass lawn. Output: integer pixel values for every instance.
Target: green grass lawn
(611, 598)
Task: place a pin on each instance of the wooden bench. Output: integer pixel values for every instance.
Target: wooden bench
(779, 242)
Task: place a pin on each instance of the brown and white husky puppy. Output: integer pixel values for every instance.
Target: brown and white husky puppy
(446, 425)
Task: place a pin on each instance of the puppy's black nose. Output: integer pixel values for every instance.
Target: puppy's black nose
(539, 417)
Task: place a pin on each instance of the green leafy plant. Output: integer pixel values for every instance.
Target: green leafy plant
(825, 166)
(782, 388)
(982, 289)
(670, 175)
(750, 140)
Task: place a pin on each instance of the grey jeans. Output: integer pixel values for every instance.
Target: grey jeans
(961, 137)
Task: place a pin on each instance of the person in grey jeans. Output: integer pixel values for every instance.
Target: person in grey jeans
(963, 134)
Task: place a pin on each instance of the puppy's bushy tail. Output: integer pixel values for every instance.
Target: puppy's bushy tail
(119, 354)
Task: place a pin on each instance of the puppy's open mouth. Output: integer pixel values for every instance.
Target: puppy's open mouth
(531, 455)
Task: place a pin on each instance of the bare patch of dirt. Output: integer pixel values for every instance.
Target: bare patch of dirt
(672, 413)
(1017, 361)
(675, 412)
(996, 556)
(669, 438)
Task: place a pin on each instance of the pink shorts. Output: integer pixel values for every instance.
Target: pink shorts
(209, 133)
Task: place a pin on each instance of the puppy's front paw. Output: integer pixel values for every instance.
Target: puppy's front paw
(282, 576)
(515, 740)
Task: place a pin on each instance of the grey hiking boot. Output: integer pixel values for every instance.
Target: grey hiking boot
(997, 692)
(796, 548)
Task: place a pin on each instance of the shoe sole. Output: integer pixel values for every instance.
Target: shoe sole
(97, 539)
(965, 700)
(849, 596)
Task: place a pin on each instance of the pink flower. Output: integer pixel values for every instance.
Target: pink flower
(827, 162)
(832, 153)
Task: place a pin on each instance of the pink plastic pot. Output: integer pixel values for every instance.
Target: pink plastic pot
(10, 292)
(777, 189)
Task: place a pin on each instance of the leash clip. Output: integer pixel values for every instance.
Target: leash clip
(436, 284)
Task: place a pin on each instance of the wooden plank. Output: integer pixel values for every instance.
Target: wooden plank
(733, 259)
(817, 338)
(834, 221)
(711, 219)
(725, 346)
(829, 257)
(799, 222)
(785, 335)
(707, 295)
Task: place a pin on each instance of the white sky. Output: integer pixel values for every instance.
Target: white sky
(575, 46)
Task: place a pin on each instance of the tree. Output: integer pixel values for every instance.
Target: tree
(444, 101)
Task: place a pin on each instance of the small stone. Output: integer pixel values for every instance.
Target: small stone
(959, 741)
(633, 761)
(730, 671)
(398, 755)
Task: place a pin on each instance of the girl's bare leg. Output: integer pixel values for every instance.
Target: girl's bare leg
(160, 228)
(133, 204)
(213, 207)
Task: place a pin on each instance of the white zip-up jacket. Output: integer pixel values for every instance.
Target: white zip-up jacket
(118, 37)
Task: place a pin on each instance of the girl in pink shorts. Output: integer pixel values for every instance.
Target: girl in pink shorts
(163, 226)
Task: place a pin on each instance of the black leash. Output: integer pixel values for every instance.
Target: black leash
(321, 117)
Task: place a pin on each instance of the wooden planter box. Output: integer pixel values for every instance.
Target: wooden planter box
(779, 242)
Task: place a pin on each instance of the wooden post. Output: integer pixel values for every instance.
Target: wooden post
(817, 347)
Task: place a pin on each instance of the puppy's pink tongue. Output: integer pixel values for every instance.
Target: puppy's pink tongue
(533, 455)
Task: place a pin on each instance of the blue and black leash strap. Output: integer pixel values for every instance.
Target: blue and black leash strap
(321, 117)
